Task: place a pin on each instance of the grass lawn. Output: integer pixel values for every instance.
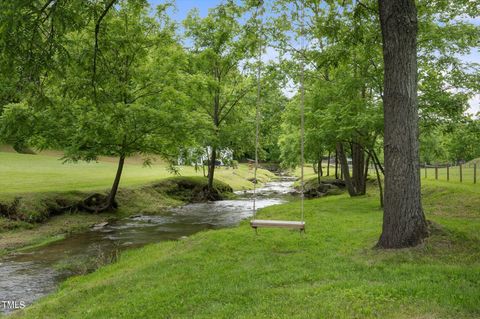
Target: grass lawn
(20, 173)
(330, 272)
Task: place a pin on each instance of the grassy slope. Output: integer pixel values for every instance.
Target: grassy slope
(41, 173)
(331, 272)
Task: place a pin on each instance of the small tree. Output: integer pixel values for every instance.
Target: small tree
(219, 46)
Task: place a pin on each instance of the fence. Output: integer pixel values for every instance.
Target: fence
(463, 173)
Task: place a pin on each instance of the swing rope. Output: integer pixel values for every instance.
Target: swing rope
(302, 111)
(257, 106)
(254, 223)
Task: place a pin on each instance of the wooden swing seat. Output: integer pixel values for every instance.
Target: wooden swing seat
(262, 223)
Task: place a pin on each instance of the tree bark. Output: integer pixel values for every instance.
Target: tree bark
(379, 181)
(211, 168)
(116, 183)
(345, 170)
(97, 203)
(358, 169)
(319, 169)
(375, 158)
(336, 163)
(404, 222)
(216, 124)
(328, 163)
(365, 175)
(203, 168)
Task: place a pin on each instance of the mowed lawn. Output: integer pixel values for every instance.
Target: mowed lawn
(20, 173)
(330, 272)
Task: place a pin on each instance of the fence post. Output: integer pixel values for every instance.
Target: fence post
(425, 170)
(475, 173)
(436, 171)
(448, 172)
(461, 177)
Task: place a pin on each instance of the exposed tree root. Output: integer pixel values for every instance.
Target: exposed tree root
(96, 203)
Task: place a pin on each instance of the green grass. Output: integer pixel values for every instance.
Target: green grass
(330, 272)
(22, 173)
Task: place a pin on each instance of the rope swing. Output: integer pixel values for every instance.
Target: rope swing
(257, 106)
(259, 223)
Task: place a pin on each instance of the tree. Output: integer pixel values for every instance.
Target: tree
(31, 41)
(273, 104)
(463, 141)
(219, 46)
(404, 223)
(121, 97)
(342, 81)
(432, 147)
(344, 52)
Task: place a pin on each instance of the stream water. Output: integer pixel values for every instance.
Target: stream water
(27, 276)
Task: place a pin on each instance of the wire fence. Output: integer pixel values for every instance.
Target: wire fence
(463, 173)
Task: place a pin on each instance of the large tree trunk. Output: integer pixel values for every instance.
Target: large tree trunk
(404, 222)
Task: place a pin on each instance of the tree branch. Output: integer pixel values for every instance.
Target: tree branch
(95, 49)
(242, 94)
